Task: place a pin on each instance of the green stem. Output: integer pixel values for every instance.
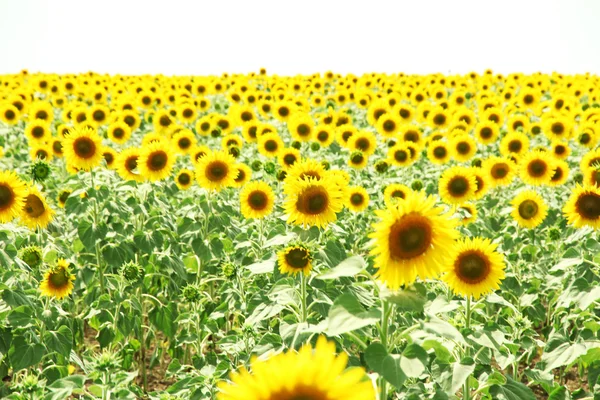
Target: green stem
(143, 341)
(303, 297)
(385, 318)
(466, 390)
(198, 329)
(97, 246)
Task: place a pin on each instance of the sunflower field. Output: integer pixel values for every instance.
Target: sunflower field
(316, 237)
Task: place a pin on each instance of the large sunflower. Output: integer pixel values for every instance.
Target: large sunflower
(537, 168)
(412, 239)
(309, 374)
(457, 185)
(476, 268)
(313, 202)
(156, 161)
(529, 209)
(12, 196)
(58, 281)
(256, 200)
(83, 148)
(583, 207)
(36, 212)
(216, 170)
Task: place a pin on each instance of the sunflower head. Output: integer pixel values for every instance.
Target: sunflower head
(583, 207)
(36, 212)
(529, 209)
(40, 171)
(83, 148)
(257, 200)
(313, 202)
(216, 171)
(294, 259)
(31, 255)
(58, 280)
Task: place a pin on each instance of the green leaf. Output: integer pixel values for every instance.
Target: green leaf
(460, 373)
(60, 341)
(89, 233)
(349, 267)
(374, 356)
(442, 328)
(21, 317)
(414, 360)
(405, 300)
(560, 393)
(16, 298)
(347, 314)
(593, 373)
(164, 319)
(392, 371)
(511, 390)
(565, 354)
(262, 267)
(23, 355)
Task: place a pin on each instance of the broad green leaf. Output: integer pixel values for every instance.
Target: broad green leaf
(347, 314)
(262, 267)
(163, 318)
(511, 390)
(60, 341)
(23, 354)
(392, 371)
(442, 328)
(565, 354)
(414, 360)
(560, 393)
(460, 373)
(349, 267)
(405, 299)
(21, 317)
(374, 356)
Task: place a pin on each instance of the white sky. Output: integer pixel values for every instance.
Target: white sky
(214, 36)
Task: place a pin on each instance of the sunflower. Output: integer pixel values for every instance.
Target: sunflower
(204, 125)
(283, 110)
(438, 152)
(185, 141)
(83, 148)
(557, 127)
(313, 202)
(58, 281)
(198, 152)
(518, 123)
(364, 141)
(231, 141)
(288, 157)
(13, 192)
(57, 147)
(468, 213)
(186, 113)
(41, 110)
(583, 207)
(36, 212)
(395, 192)
(464, 147)
(270, 144)
(256, 200)
(357, 198)
(529, 209)
(499, 171)
(127, 165)
(344, 133)
(514, 143)
(438, 118)
(156, 161)
(400, 155)
(358, 160)
(309, 374)
(457, 185)
(304, 169)
(62, 197)
(244, 173)
(119, 132)
(98, 114)
(9, 114)
(388, 125)
(411, 133)
(184, 179)
(163, 121)
(486, 132)
(216, 170)
(476, 268)
(412, 239)
(301, 127)
(294, 259)
(537, 168)
(481, 182)
(38, 131)
(561, 150)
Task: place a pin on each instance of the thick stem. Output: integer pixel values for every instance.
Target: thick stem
(466, 390)
(385, 318)
(303, 297)
(143, 341)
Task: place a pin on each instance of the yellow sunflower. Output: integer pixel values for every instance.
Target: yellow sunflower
(583, 207)
(529, 209)
(464, 147)
(257, 200)
(486, 132)
(216, 170)
(127, 165)
(156, 161)
(301, 127)
(481, 181)
(38, 131)
(468, 213)
(184, 179)
(270, 144)
(476, 268)
(537, 168)
(36, 212)
(304, 169)
(363, 141)
(13, 192)
(561, 150)
(514, 143)
(438, 152)
(395, 192)
(500, 171)
(294, 259)
(58, 280)
(413, 238)
(358, 160)
(324, 135)
(457, 185)
(357, 198)
(309, 374)
(62, 197)
(313, 202)
(400, 155)
(288, 157)
(83, 148)
(244, 173)
(561, 173)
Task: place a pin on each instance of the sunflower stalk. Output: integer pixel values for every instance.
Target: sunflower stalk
(142, 340)
(386, 312)
(97, 246)
(303, 297)
(466, 390)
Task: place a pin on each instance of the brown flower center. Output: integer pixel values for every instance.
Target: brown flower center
(34, 206)
(409, 237)
(588, 206)
(258, 200)
(216, 171)
(472, 267)
(313, 201)
(84, 147)
(297, 258)
(528, 209)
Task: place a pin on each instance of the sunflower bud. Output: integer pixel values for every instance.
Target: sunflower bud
(229, 269)
(296, 144)
(578, 178)
(325, 164)
(416, 185)
(554, 234)
(281, 175)
(381, 166)
(40, 171)
(476, 162)
(234, 151)
(31, 255)
(269, 167)
(391, 143)
(133, 272)
(256, 165)
(315, 146)
(191, 293)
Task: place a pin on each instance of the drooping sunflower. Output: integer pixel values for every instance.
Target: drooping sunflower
(256, 200)
(13, 192)
(216, 170)
(457, 185)
(294, 259)
(36, 212)
(529, 209)
(127, 165)
(464, 147)
(583, 207)
(83, 148)
(309, 374)
(156, 161)
(58, 281)
(500, 171)
(395, 192)
(413, 238)
(184, 179)
(270, 144)
(62, 197)
(313, 202)
(476, 268)
(357, 198)
(537, 168)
